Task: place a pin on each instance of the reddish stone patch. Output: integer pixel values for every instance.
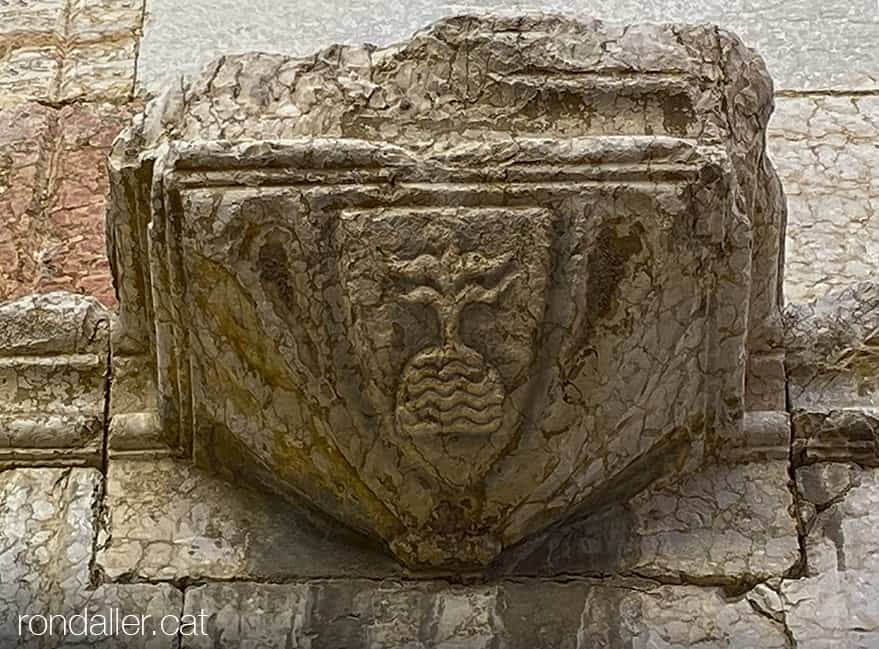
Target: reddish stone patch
(77, 257)
(25, 148)
(54, 174)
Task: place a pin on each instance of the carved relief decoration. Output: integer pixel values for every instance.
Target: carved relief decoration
(451, 306)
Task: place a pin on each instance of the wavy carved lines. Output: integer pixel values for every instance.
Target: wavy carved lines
(449, 391)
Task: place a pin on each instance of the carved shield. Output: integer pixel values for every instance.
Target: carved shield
(438, 358)
(444, 313)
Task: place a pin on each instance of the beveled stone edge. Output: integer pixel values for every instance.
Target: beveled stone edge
(76, 439)
(62, 457)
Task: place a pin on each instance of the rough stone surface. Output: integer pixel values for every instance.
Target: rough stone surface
(75, 256)
(47, 532)
(837, 434)
(724, 525)
(808, 46)
(53, 182)
(100, 70)
(63, 50)
(832, 348)
(165, 520)
(833, 605)
(825, 150)
(25, 141)
(152, 604)
(53, 324)
(47, 539)
(29, 72)
(482, 329)
(435, 615)
(729, 525)
(53, 376)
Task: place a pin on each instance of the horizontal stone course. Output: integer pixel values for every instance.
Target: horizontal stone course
(169, 521)
(54, 351)
(508, 615)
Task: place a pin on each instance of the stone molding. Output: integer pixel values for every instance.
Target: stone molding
(53, 379)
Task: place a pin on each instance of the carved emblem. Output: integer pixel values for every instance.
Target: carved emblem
(451, 306)
(449, 393)
(446, 332)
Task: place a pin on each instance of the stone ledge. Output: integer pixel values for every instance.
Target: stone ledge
(514, 615)
(50, 439)
(52, 324)
(53, 383)
(170, 521)
(836, 435)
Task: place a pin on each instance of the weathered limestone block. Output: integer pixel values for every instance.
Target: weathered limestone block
(167, 520)
(459, 289)
(164, 519)
(99, 70)
(724, 525)
(53, 184)
(53, 376)
(46, 533)
(29, 72)
(48, 529)
(509, 615)
(35, 15)
(150, 603)
(834, 603)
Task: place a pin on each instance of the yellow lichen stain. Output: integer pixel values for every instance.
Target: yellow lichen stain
(332, 483)
(346, 492)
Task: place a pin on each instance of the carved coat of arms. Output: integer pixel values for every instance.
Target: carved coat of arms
(451, 304)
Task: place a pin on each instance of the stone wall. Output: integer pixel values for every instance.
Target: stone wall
(776, 554)
(67, 71)
(71, 70)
